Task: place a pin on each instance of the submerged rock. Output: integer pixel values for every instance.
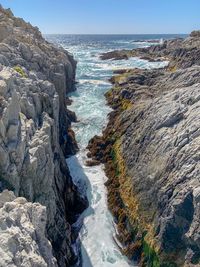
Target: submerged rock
(35, 134)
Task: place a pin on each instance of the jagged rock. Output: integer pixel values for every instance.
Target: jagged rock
(182, 53)
(115, 55)
(151, 150)
(195, 34)
(35, 134)
(23, 240)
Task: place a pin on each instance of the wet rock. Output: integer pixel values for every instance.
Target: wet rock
(182, 53)
(115, 55)
(92, 163)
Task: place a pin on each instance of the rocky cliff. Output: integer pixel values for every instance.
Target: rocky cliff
(151, 154)
(35, 137)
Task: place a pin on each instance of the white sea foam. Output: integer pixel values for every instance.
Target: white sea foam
(96, 82)
(99, 249)
(98, 246)
(133, 62)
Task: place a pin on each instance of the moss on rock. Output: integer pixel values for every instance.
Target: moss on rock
(20, 71)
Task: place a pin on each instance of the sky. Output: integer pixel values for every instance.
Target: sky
(109, 16)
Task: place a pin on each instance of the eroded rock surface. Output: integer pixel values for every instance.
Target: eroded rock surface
(23, 241)
(151, 152)
(35, 134)
(182, 53)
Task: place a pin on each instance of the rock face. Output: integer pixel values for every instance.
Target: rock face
(22, 233)
(195, 34)
(35, 134)
(151, 153)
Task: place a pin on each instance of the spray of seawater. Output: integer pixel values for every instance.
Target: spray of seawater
(98, 246)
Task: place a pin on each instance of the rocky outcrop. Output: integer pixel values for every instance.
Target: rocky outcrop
(22, 233)
(150, 150)
(182, 53)
(35, 134)
(195, 34)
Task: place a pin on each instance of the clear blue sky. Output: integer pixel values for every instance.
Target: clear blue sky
(109, 16)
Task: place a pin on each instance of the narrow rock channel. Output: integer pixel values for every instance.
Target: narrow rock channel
(99, 247)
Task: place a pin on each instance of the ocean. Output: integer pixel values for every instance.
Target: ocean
(98, 246)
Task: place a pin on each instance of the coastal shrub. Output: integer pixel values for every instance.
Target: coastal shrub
(20, 71)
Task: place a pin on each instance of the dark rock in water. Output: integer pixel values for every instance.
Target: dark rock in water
(116, 55)
(150, 59)
(68, 101)
(182, 53)
(147, 41)
(92, 162)
(120, 71)
(35, 137)
(72, 116)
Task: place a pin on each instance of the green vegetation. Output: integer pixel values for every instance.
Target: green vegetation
(136, 236)
(150, 257)
(135, 231)
(20, 71)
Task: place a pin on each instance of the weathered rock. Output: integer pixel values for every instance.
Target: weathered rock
(195, 34)
(23, 240)
(151, 151)
(92, 162)
(35, 134)
(182, 53)
(115, 55)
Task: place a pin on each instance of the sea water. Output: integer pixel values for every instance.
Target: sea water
(99, 248)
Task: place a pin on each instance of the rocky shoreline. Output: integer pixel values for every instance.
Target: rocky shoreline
(36, 221)
(150, 150)
(181, 53)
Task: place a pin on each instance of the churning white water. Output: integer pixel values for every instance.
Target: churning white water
(98, 246)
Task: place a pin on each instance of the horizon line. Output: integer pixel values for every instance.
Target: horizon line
(116, 33)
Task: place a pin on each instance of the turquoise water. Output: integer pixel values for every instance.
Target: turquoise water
(93, 73)
(99, 246)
